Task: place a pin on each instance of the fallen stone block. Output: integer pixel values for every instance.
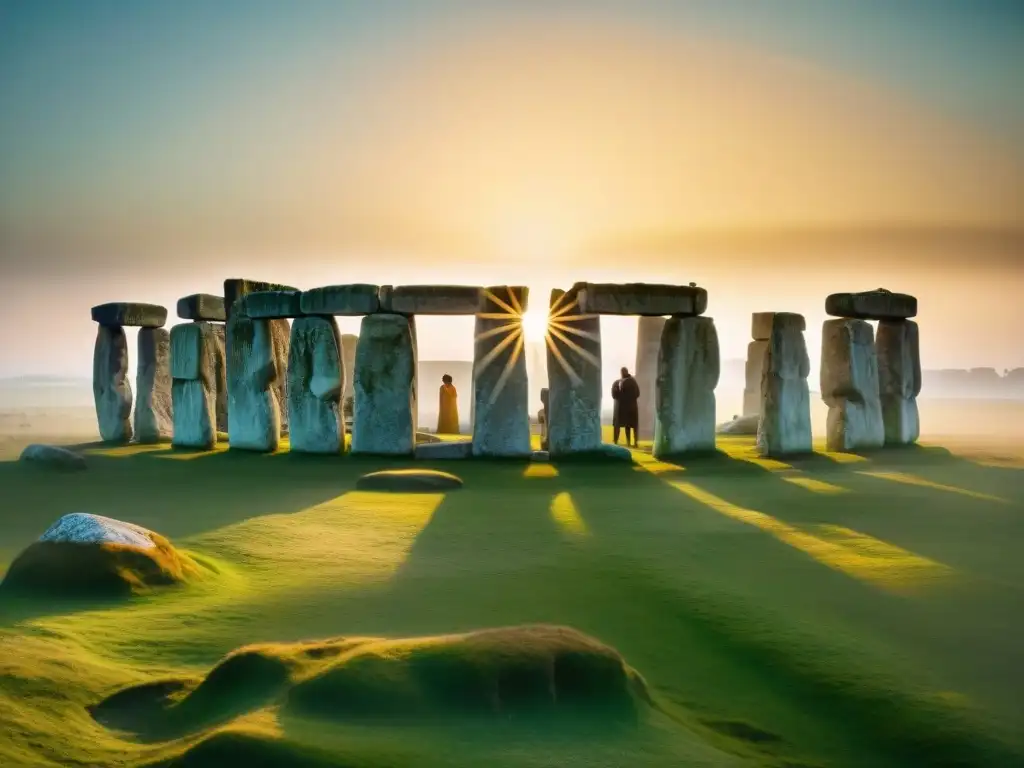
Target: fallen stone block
(194, 352)
(111, 390)
(784, 428)
(899, 380)
(430, 299)
(352, 299)
(849, 386)
(153, 407)
(130, 313)
(409, 480)
(872, 305)
(688, 371)
(739, 425)
(316, 380)
(384, 380)
(573, 409)
(445, 450)
(53, 456)
(271, 305)
(202, 306)
(645, 299)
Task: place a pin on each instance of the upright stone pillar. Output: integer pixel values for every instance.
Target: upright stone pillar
(785, 424)
(648, 343)
(574, 377)
(221, 373)
(205, 307)
(316, 386)
(899, 378)
(760, 331)
(688, 371)
(194, 384)
(153, 419)
(349, 344)
(384, 387)
(849, 385)
(501, 426)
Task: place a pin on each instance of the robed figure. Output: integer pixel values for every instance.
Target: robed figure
(448, 408)
(626, 415)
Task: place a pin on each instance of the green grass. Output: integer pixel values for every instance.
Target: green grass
(836, 610)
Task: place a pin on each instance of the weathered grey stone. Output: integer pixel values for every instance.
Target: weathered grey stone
(541, 457)
(384, 380)
(409, 481)
(352, 299)
(545, 400)
(271, 305)
(648, 343)
(130, 313)
(501, 416)
(739, 425)
(415, 376)
(110, 387)
(761, 325)
(430, 299)
(194, 352)
(688, 371)
(574, 377)
(84, 528)
(785, 425)
(202, 306)
(871, 305)
(349, 343)
(153, 421)
(254, 416)
(445, 450)
(849, 386)
(316, 380)
(645, 299)
(235, 288)
(221, 367)
(53, 456)
(756, 354)
(899, 380)
(280, 337)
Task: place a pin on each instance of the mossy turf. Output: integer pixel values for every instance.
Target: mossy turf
(837, 610)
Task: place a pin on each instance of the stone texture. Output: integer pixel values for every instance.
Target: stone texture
(111, 390)
(453, 449)
(280, 337)
(648, 344)
(409, 481)
(316, 381)
(352, 299)
(235, 288)
(785, 425)
(53, 456)
(430, 299)
(384, 381)
(739, 425)
(84, 528)
(254, 416)
(349, 344)
(688, 370)
(153, 420)
(194, 351)
(756, 354)
(899, 380)
(574, 378)
(221, 367)
(645, 299)
(761, 325)
(130, 313)
(501, 426)
(871, 305)
(849, 386)
(271, 305)
(202, 306)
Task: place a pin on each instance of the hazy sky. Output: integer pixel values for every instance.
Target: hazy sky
(771, 151)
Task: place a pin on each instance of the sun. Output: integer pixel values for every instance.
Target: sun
(535, 324)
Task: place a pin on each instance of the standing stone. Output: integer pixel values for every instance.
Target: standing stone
(688, 370)
(501, 393)
(221, 373)
(194, 348)
(574, 378)
(415, 375)
(153, 420)
(280, 337)
(110, 387)
(542, 417)
(648, 343)
(785, 424)
(349, 344)
(316, 381)
(899, 379)
(254, 416)
(384, 381)
(849, 386)
(757, 351)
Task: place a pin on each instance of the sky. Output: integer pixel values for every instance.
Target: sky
(772, 152)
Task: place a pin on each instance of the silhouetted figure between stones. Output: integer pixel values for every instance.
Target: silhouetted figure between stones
(626, 393)
(448, 407)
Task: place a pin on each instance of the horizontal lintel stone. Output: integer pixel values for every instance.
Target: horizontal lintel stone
(130, 313)
(499, 299)
(872, 305)
(352, 299)
(763, 322)
(644, 299)
(237, 287)
(271, 305)
(202, 306)
(430, 299)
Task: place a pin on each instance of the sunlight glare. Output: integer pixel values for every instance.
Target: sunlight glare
(535, 324)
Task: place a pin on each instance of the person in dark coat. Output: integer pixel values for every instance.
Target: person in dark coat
(625, 393)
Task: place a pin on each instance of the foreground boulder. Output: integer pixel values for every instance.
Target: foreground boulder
(85, 554)
(409, 480)
(739, 425)
(53, 456)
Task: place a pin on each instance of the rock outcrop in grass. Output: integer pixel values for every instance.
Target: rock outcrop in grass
(409, 481)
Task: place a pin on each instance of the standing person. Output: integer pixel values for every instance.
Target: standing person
(448, 408)
(626, 393)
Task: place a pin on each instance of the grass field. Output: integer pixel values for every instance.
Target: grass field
(838, 610)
